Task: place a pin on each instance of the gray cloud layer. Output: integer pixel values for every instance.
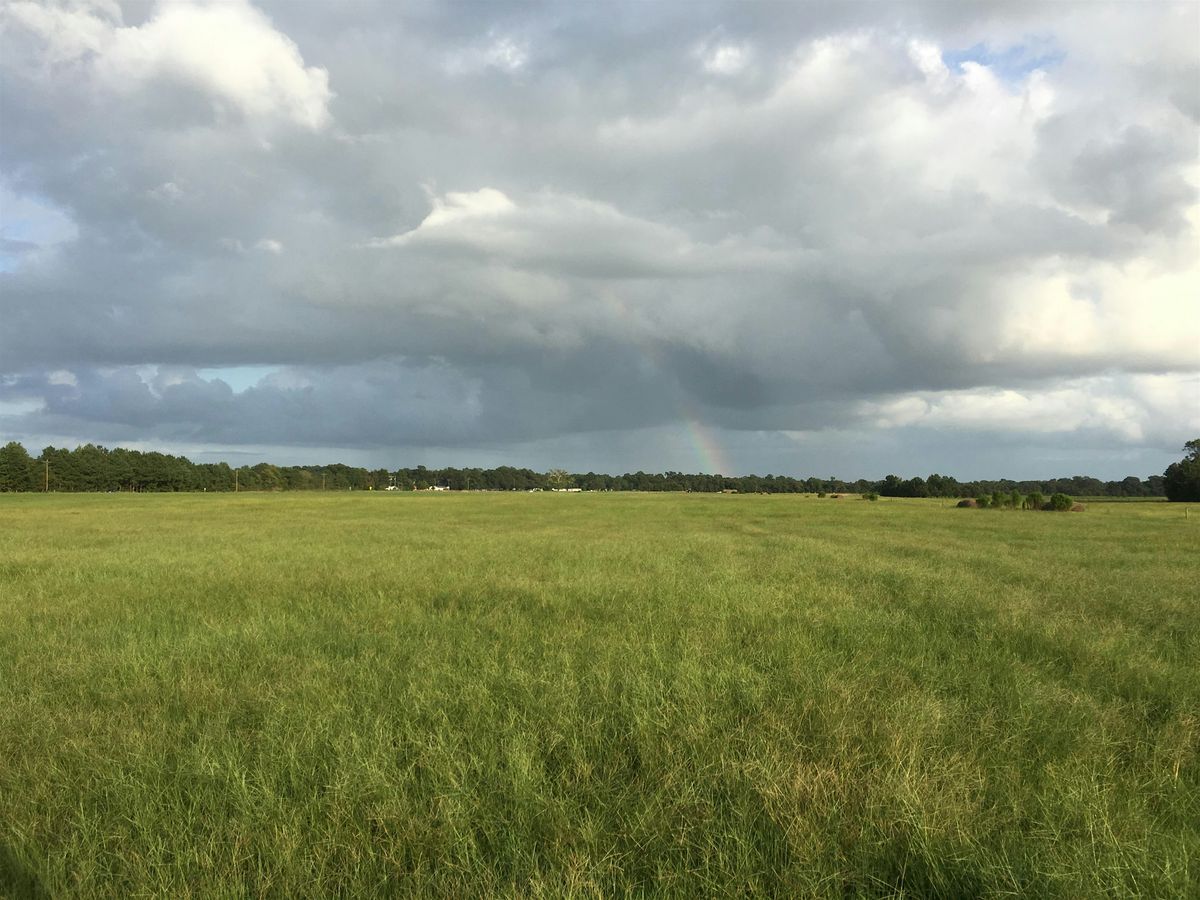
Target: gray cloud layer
(680, 235)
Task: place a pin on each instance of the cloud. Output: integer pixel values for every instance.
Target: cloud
(502, 52)
(380, 403)
(722, 57)
(1122, 409)
(589, 230)
(228, 51)
(574, 235)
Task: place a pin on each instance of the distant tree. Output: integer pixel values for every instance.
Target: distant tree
(16, 468)
(91, 469)
(94, 468)
(219, 477)
(267, 477)
(1182, 479)
(1132, 487)
(61, 469)
(1035, 500)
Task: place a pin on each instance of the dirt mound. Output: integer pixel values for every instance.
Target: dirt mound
(968, 504)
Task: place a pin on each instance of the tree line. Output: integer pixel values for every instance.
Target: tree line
(94, 468)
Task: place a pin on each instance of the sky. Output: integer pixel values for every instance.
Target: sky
(808, 239)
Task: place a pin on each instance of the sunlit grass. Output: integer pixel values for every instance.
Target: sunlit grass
(596, 695)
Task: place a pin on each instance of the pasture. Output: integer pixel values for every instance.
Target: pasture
(307, 695)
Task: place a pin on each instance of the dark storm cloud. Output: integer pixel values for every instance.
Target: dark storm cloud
(522, 225)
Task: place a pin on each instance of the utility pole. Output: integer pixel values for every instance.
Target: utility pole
(322, 481)
(46, 481)
(236, 485)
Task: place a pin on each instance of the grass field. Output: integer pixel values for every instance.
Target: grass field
(596, 695)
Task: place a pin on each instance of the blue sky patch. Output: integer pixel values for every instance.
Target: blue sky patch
(1011, 64)
(237, 377)
(28, 223)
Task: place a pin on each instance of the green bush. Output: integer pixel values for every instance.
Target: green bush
(999, 499)
(1061, 503)
(871, 496)
(984, 501)
(1035, 500)
(820, 493)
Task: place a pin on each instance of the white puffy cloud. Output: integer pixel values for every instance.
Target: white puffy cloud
(723, 57)
(68, 31)
(574, 235)
(1128, 409)
(1115, 310)
(502, 52)
(228, 50)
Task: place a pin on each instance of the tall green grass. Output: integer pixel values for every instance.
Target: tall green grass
(595, 695)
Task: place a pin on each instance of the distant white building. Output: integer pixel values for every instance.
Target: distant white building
(440, 487)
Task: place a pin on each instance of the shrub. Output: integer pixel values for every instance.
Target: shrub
(1014, 499)
(999, 499)
(983, 501)
(1035, 500)
(820, 493)
(871, 496)
(1061, 503)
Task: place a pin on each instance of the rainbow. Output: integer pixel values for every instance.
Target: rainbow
(709, 453)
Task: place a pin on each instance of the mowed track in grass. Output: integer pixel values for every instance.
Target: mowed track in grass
(596, 695)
